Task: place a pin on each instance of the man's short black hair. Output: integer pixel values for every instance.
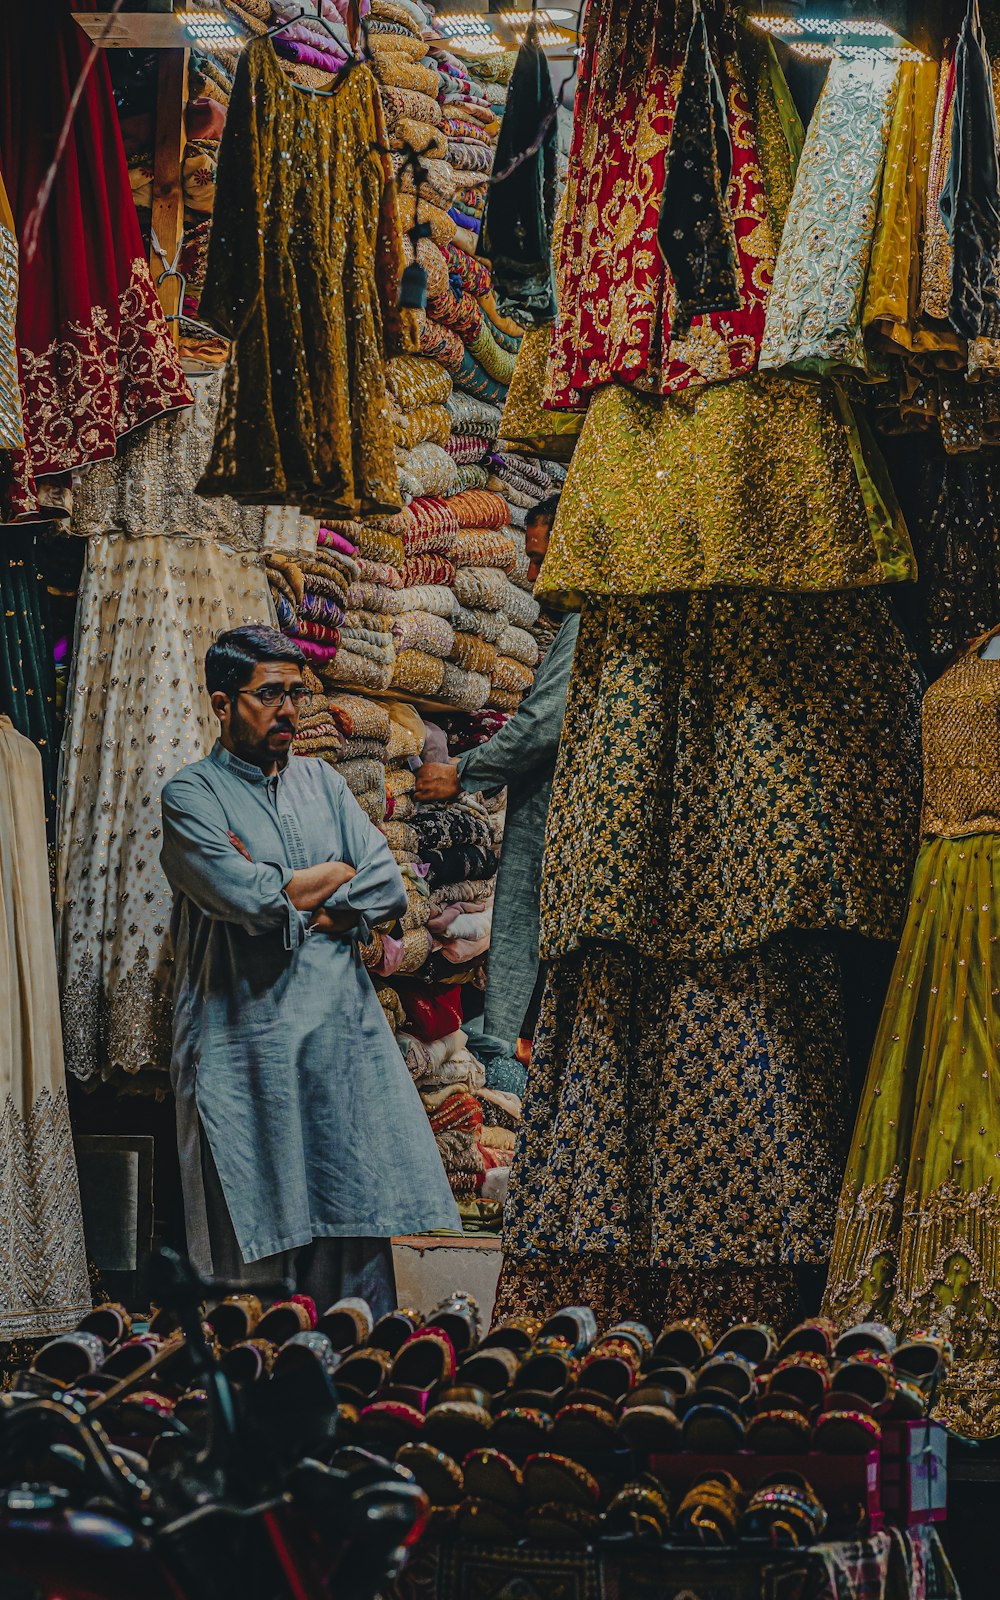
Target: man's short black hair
(231, 659)
(545, 511)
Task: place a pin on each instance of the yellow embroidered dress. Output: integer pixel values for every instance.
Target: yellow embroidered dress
(917, 1242)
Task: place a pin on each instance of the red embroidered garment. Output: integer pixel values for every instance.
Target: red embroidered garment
(96, 358)
(615, 291)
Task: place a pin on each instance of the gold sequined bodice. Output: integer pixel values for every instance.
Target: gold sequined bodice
(961, 721)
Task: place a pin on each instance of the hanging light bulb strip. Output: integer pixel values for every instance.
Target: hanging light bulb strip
(832, 39)
(212, 30)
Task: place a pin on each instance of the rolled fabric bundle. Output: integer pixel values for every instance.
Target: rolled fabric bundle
(374, 597)
(498, 363)
(518, 644)
(431, 467)
(362, 775)
(476, 509)
(321, 655)
(459, 127)
(469, 415)
(402, 837)
(391, 1004)
(401, 806)
(460, 1153)
(416, 381)
(488, 625)
(521, 609)
(317, 632)
(462, 315)
(378, 545)
(484, 547)
(482, 587)
(380, 573)
(431, 597)
(287, 569)
(471, 476)
(418, 947)
(464, 689)
(359, 749)
(511, 676)
(475, 655)
(441, 344)
(518, 573)
(473, 274)
(399, 780)
(456, 1111)
(394, 11)
(320, 608)
(471, 379)
(409, 731)
(360, 718)
(459, 1067)
(467, 448)
(467, 155)
(428, 517)
(438, 184)
(421, 630)
(431, 257)
(416, 672)
(419, 909)
(420, 425)
(441, 827)
(412, 211)
(428, 568)
(376, 647)
(392, 47)
(525, 499)
(526, 468)
(348, 667)
(503, 699)
(474, 889)
(409, 105)
(431, 1015)
(402, 72)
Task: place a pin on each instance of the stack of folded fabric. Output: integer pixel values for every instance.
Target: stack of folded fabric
(366, 730)
(321, 731)
(367, 650)
(310, 589)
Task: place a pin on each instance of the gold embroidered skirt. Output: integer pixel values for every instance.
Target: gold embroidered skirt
(733, 766)
(684, 1115)
(917, 1242)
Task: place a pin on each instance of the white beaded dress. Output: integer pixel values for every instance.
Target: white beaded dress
(166, 572)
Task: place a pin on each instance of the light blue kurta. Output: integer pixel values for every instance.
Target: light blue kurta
(282, 1053)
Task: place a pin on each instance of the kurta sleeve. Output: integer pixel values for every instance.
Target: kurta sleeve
(201, 862)
(531, 738)
(234, 272)
(376, 892)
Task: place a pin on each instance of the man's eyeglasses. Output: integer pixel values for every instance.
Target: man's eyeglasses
(271, 695)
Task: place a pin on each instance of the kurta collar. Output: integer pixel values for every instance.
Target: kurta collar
(243, 769)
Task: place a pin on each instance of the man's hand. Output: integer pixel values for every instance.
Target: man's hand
(312, 887)
(437, 780)
(334, 923)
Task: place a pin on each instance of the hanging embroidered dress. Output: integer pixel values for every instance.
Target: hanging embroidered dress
(303, 268)
(166, 571)
(96, 358)
(918, 1229)
(615, 292)
(44, 1287)
(764, 481)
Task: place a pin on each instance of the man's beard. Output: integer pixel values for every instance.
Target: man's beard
(248, 746)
